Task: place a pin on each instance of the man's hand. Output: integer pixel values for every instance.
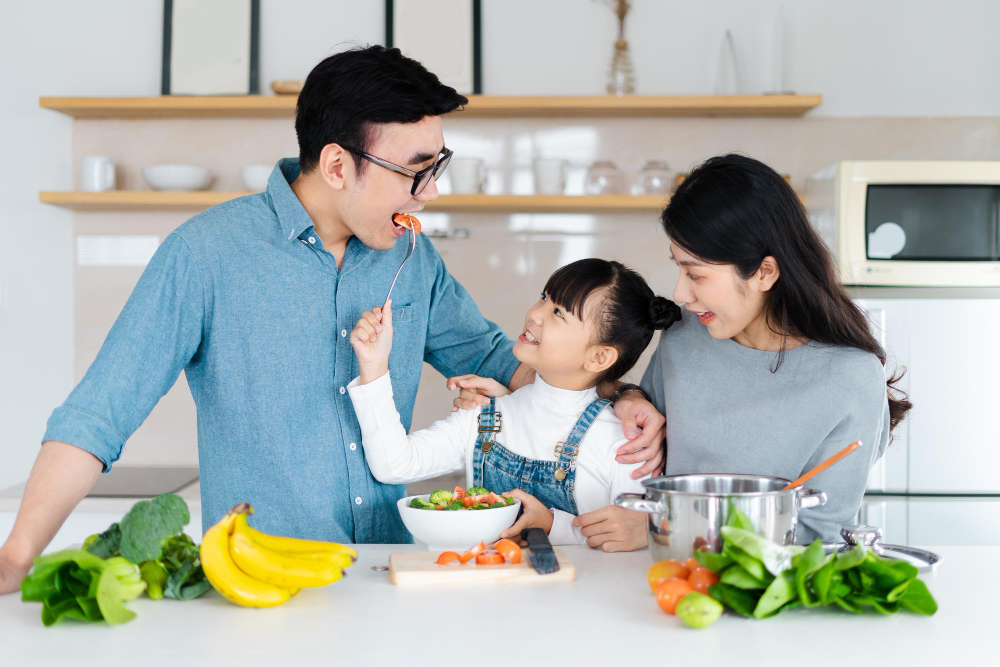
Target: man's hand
(475, 391)
(372, 342)
(536, 515)
(645, 428)
(613, 528)
(11, 573)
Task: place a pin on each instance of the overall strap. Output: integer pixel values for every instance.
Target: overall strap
(490, 423)
(567, 450)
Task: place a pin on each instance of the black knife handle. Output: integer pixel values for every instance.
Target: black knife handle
(537, 540)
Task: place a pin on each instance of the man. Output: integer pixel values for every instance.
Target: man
(254, 299)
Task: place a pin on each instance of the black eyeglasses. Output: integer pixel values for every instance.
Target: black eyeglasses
(420, 178)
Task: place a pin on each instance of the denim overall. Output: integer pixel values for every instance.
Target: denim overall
(498, 469)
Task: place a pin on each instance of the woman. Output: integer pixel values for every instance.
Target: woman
(773, 368)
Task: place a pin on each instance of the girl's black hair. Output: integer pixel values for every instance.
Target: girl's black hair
(736, 210)
(628, 314)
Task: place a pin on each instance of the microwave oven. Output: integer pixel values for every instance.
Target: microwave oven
(910, 223)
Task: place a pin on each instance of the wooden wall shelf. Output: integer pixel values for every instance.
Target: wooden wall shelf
(275, 106)
(130, 200)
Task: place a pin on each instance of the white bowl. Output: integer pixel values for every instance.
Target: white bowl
(455, 529)
(254, 176)
(177, 177)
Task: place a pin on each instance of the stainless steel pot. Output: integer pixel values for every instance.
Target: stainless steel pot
(687, 512)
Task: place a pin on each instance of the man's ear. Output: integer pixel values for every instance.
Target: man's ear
(600, 358)
(334, 163)
(767, 274)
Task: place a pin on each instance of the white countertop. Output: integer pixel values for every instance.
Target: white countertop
(607, 616)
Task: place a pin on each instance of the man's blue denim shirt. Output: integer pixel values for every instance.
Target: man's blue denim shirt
(246, 301)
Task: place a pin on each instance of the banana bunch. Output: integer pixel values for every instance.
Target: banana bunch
(254, 569)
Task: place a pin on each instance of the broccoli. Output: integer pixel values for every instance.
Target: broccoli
(421, 504)
(441, 497)
(477, 491)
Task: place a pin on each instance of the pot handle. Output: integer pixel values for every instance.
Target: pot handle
(809, 498)
(638, 503)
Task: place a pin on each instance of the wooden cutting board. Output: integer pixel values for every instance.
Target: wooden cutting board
(418, 568)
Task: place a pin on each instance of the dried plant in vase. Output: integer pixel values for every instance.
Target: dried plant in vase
(621, 75)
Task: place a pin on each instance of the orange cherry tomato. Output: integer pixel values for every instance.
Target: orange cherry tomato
(691, 564)
(468, 501)
(448, 557)
(663, 570)
(489, 557)
(510, 550)
(473, 552)
(459, 494)
(700, 579)
(670, 592)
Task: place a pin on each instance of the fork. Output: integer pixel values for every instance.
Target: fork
(409, 251)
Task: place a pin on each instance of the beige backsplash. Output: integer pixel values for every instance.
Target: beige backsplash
(506, 258)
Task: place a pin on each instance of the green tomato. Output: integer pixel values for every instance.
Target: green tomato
(698, 610)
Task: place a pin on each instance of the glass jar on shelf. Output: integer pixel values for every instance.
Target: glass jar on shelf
(655, 178)
(603, 178)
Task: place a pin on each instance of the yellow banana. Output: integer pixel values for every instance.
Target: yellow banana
(336, 559)
(231, 582)
(294, 545)
(273, 567)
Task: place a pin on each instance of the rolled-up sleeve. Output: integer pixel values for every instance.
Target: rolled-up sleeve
(459, 339)
(157, 333)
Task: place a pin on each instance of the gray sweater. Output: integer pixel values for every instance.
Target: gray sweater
(728, 413)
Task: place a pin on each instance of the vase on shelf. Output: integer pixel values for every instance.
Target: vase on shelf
(621, 74)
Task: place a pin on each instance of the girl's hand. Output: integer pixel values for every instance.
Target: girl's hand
(536, 515)
(475, 391)
(372, 342)
(613, 528)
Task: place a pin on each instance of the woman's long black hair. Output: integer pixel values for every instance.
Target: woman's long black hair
(736, 210)
(628, 314)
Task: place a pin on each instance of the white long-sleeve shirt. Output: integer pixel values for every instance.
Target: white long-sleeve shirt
(535, 418)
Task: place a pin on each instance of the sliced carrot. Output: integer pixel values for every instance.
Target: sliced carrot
(473, 552)
(489, 557)
(448, 557)
(510, 550)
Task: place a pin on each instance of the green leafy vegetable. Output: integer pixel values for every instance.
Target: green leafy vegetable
(758, 578)
(77, 584)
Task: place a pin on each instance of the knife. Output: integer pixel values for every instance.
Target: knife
(540, 554)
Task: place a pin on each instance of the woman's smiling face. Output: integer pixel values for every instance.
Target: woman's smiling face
(724, 302)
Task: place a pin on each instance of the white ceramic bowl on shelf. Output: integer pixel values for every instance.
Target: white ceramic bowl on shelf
(254, 176)
(457, 529)
(177, 177)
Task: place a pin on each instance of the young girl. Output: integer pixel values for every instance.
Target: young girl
(550, 444)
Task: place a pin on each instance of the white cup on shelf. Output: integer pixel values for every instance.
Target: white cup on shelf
(550, 176)
(468, 176)
(97, 174)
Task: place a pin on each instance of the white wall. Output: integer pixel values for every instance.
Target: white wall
(885, 57)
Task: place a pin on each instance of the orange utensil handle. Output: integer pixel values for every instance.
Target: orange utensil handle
(824, 465)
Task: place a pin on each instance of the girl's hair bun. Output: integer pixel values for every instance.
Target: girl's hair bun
(663, 312)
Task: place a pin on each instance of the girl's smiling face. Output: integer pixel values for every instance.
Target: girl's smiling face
(560, 345)
(724, 302)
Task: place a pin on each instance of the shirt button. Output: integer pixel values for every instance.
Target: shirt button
(354, 446)
(357, 501)
(343, 333)
(343, 391)
(312, 240)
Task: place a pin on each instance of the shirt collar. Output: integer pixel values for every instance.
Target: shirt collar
(293, 220)
(541, 392)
